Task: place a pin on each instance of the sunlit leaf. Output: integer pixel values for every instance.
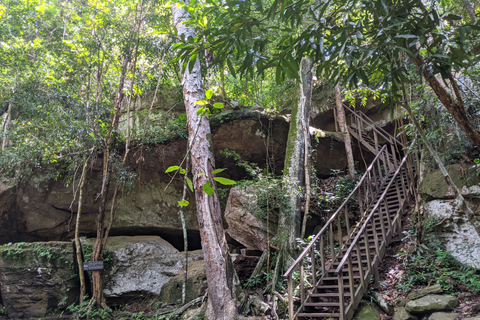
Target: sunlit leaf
(225, 181)
(189, 183)
(183, 203)
(218, 171)
(209, 94)
(172, 168)
(208, 188)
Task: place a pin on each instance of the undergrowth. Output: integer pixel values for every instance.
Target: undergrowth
(429, 263)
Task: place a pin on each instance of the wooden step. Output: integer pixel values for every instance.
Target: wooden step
(327, 295)
(318, 315)
(321, 304)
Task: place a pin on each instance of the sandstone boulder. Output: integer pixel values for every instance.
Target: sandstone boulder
(403, 314)
(436, 288)
(139, 265)
(453, 230)
(243, 226)
(432, 303)
(196, 284)
(443, 316)
(36, 277)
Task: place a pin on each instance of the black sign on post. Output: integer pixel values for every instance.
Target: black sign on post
(93, 266)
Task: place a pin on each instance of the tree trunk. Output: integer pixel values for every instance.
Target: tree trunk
(6, 122)
(471, 12)
(455, 109)
(343, 129)
(221, 277)
(78, 245)
(294, 171)
(460, 203)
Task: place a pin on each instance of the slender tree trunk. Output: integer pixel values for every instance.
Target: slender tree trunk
(455, 109)
(78, 245)
(185, 235)
(6, 122)
(108, 144)
(460, 201)
(221, 277)
(343, 129)
(294, 171)
(306, 85)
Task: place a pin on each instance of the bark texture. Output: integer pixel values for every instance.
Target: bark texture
(343, 129)
(297, 149)
(471, 12)
(221, 277)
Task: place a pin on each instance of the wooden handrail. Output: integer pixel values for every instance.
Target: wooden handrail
(383, 172)
(379, 130)
(335, 215)
(367, 220)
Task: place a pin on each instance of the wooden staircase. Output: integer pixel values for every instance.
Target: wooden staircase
(336, 267)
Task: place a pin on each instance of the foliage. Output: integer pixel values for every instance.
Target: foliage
(84, 311)
(258, 281)
(13, 251)
(331, 193)
(88, 253)
(61, 64)
(431, 263)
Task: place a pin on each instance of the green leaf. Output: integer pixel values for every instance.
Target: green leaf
(231, 68)
(192, 61)
(225, 181)
(209, 94)
(201, 102)
(208, 188)
(218, 171)
(189, 183)
(453, 17)
(218, 105)
(183, 203)
(172, 168)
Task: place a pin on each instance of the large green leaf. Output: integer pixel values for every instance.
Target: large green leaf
(225, 181)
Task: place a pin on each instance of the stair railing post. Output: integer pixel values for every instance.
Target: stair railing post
(382, 220)
(367, 250)
(377, 253)
(375, 139)
(351, 280)
(290, 297)
(380, 173)
(341, 297)
(387, 213)
(386, 163)
(375, 182)
(360, 266)
(339, 227)
(332, 246)
(314, 266)
(361, 197)
(394, 156)
(302, 284)
(375, 236)
(322, 254)
(347, 222)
